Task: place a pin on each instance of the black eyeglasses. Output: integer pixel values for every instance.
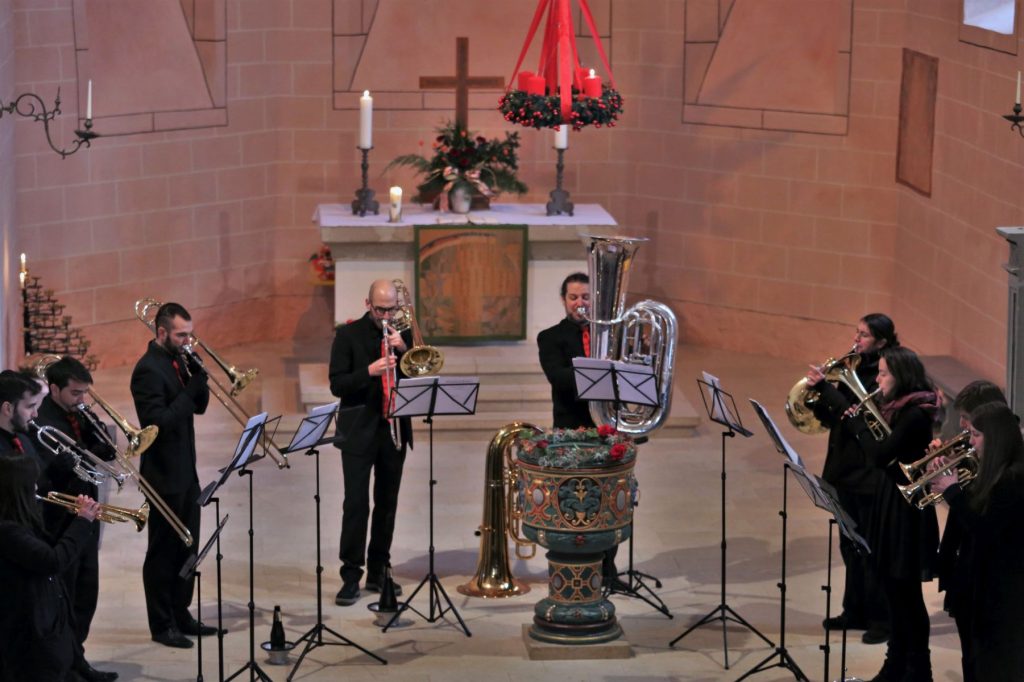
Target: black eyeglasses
(384, 311)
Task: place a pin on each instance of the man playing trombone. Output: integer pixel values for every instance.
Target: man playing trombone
(169, 388)
(69, 381)
(364, 358)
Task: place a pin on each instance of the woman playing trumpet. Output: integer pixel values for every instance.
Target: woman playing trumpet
(902, 538)
(987, 591)
(37, 643)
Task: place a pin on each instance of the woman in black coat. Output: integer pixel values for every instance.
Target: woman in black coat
(903, 539)
(37, 643)
(987, 591)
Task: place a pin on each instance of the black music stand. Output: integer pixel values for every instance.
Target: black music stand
(426, 397)
(205, 498)
(721, 409)
(309, 437)
(190, 568)
(622, 383)
(244, 456)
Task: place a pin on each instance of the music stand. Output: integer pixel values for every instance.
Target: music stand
(244, 456)
(426, 397)
(190, 568)
(792, 458)
(630, 383)
(721, 409)
(309, 437)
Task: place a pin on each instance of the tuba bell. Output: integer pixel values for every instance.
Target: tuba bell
(644, 334)
(421, 360)
(493, 577)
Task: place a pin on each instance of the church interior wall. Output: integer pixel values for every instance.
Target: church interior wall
(764, 240)
(8, 290)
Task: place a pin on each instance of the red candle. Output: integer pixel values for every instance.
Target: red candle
(535, 85)
(581, 73)
(592, 85)
(524, 79)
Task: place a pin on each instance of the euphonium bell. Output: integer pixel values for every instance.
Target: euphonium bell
(801, 399)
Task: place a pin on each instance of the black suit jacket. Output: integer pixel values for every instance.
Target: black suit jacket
(49, 467)
(356, 346)
(558, 345)
(160, 398)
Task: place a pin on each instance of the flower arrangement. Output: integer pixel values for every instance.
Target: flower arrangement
(578, 448)
(462, 158)
(544, 111)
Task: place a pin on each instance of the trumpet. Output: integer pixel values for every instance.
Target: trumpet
(108, 512)
(962, 458)
(86, 466)
(390, 380)
(876, 423)
(145, 311)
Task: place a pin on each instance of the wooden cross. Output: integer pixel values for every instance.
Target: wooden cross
(462, 82)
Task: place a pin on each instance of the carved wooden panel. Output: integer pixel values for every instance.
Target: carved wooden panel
(917, 121)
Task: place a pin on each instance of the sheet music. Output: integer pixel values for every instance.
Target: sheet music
(312, 428)
(636, 383)
(781, 444)
(249, 445)
(719, 410)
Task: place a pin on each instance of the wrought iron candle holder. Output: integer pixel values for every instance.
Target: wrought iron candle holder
(364, 202)
(559, 203)
(1016, 119)
(31, 105)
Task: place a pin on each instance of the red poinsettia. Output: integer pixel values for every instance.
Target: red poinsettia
(542, 444)
(605, 430)
(618, 451)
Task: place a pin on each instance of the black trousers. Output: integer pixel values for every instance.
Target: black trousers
(82, 580)
(385, 462)
(908, 616)
(864, 598)
(168, 596)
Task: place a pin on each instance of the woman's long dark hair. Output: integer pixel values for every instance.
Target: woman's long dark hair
(882, 328)
(18, 474)
(1003, 450)
(907, 370)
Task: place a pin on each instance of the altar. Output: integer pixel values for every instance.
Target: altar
(368, 248)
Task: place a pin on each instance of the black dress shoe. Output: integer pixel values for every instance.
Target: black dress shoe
(374, 585)
(843, 621)
(348, 594)
(193, 627)
(172, 637)
(876, 634)
(91, 674)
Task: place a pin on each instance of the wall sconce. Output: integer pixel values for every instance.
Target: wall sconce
(32, 106)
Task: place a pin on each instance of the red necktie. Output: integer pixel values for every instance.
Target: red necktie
(586, 341)
(385, 380)
(75, 426)
(177, 371)
(17, 445)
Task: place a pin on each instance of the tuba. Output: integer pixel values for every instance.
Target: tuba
(146, 310)
(963, 458)
(493, 577)
(644, 334)
(421, 360)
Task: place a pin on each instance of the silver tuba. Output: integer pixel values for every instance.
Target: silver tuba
(644, 334)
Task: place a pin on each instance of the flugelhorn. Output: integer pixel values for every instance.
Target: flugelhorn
(108, 512)
(421, 360)
(146, 310)
(87, 466)
(644, 334)
(502, 514)
(962, 458)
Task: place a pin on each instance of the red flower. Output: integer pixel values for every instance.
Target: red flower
(618, 451)
(542, 444)
(605, 430)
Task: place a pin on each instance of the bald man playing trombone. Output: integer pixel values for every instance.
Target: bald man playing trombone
(364, 365)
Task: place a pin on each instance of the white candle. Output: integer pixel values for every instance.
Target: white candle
(562, 137)
(88, 101)
(1018, 88)
(22, 272)
(366, 121)
(395, 210)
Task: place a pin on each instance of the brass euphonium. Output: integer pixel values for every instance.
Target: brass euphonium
(146, 310)
(493, 577)
(644, 334)
(421, 360)
(962, 457)
(108, 512)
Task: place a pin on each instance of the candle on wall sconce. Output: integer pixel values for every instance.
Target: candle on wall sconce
(22, 271)
(88, 100)
(395, 209)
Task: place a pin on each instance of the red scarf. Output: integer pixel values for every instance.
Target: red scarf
(926, 400)
(385, 380)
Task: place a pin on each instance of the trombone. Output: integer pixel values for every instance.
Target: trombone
(108, 512)
(146, 309)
